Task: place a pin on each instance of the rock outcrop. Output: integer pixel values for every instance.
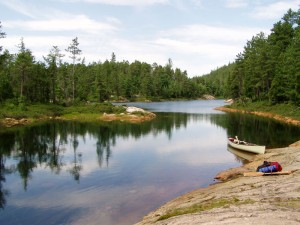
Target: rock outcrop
(240, 200)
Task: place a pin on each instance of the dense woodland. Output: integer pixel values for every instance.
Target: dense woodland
(267, 69)
(54, 80)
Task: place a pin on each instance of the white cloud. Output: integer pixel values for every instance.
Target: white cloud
(236, 3)
(275, 10)
(78, 23)
(123, 2)
(196, 48)
(194, 45)
(39, 45)
(20, 7)
(179, 4)
(203, 46)
(210, 33)
(93, 35)
(198, 3)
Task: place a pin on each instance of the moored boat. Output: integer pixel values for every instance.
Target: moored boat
(245, 146)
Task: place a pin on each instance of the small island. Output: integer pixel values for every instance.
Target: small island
(87, 113)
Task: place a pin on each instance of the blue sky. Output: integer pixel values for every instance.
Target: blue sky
(198, 35)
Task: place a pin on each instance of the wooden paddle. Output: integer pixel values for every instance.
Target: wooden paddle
(257, 174)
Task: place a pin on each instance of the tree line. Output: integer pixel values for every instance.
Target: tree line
(268, 69)
(54, 80)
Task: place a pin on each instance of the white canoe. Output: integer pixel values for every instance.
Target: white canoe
(245, 146)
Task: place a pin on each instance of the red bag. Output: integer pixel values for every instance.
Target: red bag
(278, 166)
(267, 167)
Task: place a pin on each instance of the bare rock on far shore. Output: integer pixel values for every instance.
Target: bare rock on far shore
(133, 114)
(208, 97)
(10, 122)
(230, 101)
(132, 109)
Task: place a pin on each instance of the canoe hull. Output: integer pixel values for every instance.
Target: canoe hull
(258, 149)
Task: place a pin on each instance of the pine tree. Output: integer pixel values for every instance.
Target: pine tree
(54, 60)
(74, 52)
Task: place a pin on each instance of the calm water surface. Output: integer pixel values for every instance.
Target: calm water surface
(115, 173)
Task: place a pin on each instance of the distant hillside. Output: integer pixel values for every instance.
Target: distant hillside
(216, 82)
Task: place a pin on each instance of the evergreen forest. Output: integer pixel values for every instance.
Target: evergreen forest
(268, 69)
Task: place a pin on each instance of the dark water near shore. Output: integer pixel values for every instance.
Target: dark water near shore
(114, 172)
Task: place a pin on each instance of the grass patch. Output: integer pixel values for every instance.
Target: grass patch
(10, 110)
(94, 108)
(292, 203)
(218, 203)
(81, 112)
(84, 117)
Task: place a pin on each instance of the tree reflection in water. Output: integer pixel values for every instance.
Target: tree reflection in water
(27, 148)
(3, 192)
(6, 144)
(76, 168)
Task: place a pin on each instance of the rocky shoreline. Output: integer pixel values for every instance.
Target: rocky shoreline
(133, 115)
(238, 199)
(263, 114)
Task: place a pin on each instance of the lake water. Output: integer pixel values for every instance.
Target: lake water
(115, 172)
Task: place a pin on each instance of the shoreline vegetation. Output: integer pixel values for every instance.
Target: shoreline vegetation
(11, 116)
(286, 113)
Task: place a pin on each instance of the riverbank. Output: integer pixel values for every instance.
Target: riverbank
(270, 115)
(239, 199)
(287, 113)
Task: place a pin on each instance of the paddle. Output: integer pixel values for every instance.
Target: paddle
(256, 174)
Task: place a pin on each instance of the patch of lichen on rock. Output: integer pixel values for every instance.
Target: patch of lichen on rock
(290, 203)
(216, 203)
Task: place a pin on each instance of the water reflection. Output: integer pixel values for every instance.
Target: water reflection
(262, 131)
(46, 146)
(131, 163)
(242, 156)
(3, 192)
